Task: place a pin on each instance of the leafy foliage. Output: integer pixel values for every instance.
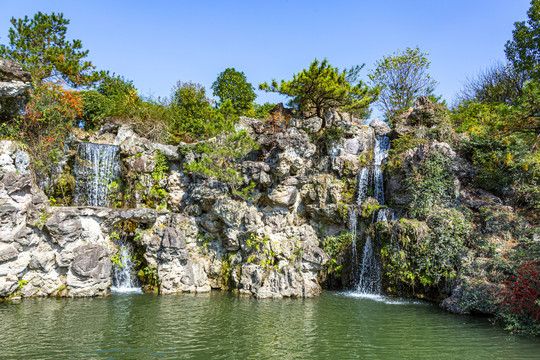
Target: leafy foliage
(522, 50)
(217, 157)
(112, 86)
(335, 247)
(502, 144)
(194, 115)
(95, 107)
(322, 87)
(45, 124)
(232, 85)
(39, 44)
(261, 111)
(402, 77)
(427, 254)
(521, 299)
(430, 184)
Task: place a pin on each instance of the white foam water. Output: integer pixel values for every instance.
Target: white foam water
(367, 276)
(124, 277)
(96, 168)
(383, 298)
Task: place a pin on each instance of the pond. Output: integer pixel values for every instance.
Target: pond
(218, 325)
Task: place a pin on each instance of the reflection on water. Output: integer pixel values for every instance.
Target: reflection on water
(222, 326)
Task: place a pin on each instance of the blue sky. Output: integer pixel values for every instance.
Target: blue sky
(156, 43)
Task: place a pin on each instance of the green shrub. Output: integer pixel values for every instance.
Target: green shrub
(194, 117)
(217, 157)
(261, 111)
(420, 255)
(95, 107)
(479, 297)
(430, 184)
(335, 247)
(116, 86)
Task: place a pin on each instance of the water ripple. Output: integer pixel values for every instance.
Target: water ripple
(222, 326)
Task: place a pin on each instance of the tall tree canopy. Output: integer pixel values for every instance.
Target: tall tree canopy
(39, 44)
(232, 85)
(402, 77)
(523, 51)
(322, 87)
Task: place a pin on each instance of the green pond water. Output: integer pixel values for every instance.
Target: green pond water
(222, 326)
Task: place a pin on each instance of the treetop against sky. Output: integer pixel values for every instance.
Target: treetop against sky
(157, 44)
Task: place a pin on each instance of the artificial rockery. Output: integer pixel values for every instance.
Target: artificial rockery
(289, 214)
(190, 233)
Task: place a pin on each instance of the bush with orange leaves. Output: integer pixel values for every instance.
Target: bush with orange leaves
(45, 123)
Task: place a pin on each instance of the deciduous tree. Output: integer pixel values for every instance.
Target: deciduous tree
(232, 85)
(402, 77)
(523, 51)
(498, 84)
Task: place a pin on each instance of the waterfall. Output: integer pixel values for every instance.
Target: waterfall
(96, 168)
(382, 215)
(124, 278)
(363, 185)
(369, 281)
(380, 152)
(353, 218)
(368, 278)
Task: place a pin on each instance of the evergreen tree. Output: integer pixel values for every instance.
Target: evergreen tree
(322, 87)
(40, 46)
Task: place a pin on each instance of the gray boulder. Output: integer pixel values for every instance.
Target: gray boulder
(13, 79)
(381, 128)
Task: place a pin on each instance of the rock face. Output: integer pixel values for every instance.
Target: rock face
(192, 234)
(381, 128)
(13, 80)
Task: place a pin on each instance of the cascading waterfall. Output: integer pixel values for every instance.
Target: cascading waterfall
(362, 189)
(124, 278)
(380, 152)
(367, 278)
(363, 185)
(96, 168)
(369, 281)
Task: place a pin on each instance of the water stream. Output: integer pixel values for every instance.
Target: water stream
(96, 169)
(124, 277)
(367, 275)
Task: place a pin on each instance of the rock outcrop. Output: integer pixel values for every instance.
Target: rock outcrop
(13, 80)
(191, 234)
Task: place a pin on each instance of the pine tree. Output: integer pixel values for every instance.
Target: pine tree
(40, 46)
(323, 87)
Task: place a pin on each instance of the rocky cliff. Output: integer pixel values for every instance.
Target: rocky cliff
(305, 206)
(262, 237)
